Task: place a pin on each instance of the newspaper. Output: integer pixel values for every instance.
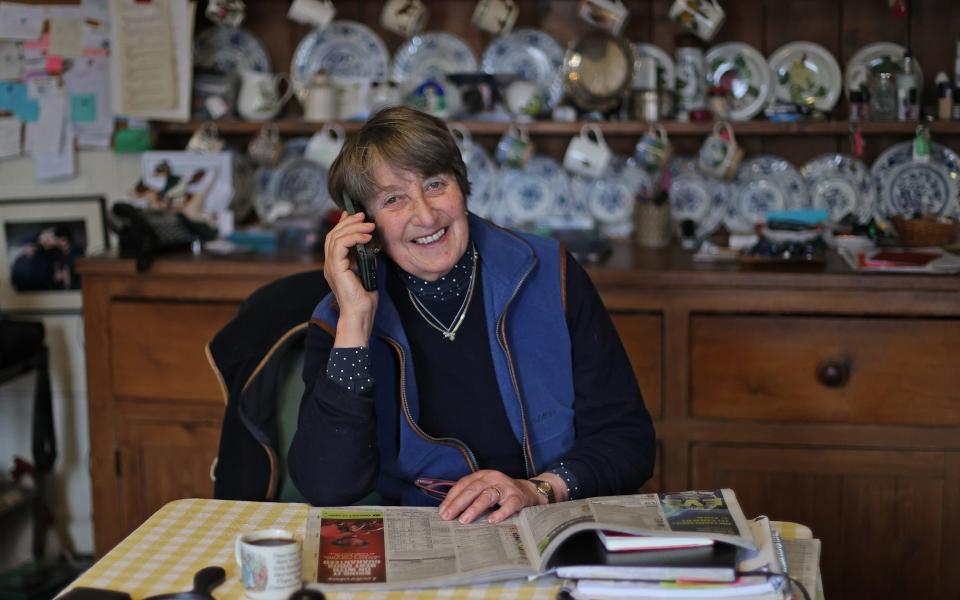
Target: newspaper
(392, 547)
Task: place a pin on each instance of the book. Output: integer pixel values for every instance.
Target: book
(396, 547)
(616, 541)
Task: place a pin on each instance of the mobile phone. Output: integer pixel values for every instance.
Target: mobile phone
(366, 259)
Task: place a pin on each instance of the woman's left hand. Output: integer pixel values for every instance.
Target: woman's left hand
(478, 492)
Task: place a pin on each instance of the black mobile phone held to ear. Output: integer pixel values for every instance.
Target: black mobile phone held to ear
(366, 259)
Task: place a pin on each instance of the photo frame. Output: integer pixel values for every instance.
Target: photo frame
(209, 174)
(40, 240)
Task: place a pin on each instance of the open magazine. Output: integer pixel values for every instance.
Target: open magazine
(395, 547)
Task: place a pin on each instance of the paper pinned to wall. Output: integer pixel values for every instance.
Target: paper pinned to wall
(11, 60)
(46, 133)
(152, 61)
(10, 137)
(66, 38)
(90, 76)
(21, 21)
(58, 164)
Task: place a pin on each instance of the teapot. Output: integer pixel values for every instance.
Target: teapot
(259, 99)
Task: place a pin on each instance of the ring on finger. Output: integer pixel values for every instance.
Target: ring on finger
(499, 493)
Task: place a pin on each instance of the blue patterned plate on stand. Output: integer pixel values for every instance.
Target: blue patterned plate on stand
(431, 56)
(298, 187)
(906, 186)
(482, 174)
(348, 50)
(229, 50)
(527, 195)
(697, 197)
(532, 55)
(766, 183)
(842, 185)
(557, 180)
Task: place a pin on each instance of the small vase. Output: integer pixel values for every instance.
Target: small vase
(653, 225)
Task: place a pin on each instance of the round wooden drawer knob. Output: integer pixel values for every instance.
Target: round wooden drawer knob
(833, 372)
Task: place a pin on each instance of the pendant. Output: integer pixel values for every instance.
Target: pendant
(450, 335)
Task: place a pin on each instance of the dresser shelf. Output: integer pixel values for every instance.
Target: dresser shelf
(613, 128)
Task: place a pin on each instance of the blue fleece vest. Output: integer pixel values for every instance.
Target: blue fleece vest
(522, 291)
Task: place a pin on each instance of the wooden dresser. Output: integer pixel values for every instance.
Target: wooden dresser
(824, 397)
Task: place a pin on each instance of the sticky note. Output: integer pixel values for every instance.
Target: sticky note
(54, 65)
(12, 93)
(83, 108)
(28, 110)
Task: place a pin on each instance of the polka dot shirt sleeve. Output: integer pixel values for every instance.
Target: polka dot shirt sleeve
(350, 368)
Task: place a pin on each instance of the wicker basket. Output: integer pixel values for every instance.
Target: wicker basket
(924, 232)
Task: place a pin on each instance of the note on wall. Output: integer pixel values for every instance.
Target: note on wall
(10, 137)
(11, 60)
(151, 66)
(21, 21)
(66, 37)
(90, 78)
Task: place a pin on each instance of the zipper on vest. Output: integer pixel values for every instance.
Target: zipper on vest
(528, 465)
(451, 442)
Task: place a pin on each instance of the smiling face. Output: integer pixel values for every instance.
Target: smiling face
(421, 221)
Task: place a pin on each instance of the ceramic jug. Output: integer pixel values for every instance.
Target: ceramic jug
(260, 99)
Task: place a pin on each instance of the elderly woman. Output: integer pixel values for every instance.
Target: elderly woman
(484, 371)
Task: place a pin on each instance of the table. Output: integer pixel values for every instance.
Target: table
(184, 536)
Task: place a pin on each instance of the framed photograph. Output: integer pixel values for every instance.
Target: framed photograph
(173, 180)
(40, 240)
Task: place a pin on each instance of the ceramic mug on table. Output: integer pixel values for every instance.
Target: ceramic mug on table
(702, 17)
(495, 16)
(270, 564)
(720, 155)
(404, 17)
(260, 98)
(588, 153)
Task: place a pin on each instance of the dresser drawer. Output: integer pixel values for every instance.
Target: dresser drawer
(157, 349)
(642, 337)
(851, 370)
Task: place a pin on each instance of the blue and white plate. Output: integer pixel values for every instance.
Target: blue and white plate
(611, 199)
(696, 197)
(905, 186)
(529, 194)
(348, 50)
(842, 185)
(482, 174)
(230, 50)
(766, 183)
(532, 55)
(431, 56)
(297, 187)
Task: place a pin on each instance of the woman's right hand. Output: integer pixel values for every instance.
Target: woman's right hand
(357, 305)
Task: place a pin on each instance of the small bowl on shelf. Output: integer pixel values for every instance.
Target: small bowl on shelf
(924, 231)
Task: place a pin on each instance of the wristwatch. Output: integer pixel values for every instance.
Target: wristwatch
(545, 489)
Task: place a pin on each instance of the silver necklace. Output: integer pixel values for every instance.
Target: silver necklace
(449, 331)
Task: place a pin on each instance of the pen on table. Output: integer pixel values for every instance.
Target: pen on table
(566, 590)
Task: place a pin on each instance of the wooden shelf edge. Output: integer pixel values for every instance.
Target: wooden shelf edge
(628, 128)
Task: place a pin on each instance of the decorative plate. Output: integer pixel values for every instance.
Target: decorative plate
(482, 174)
(666, 69)
(532, 55)
(842, 185)
(905, 186)
(230, 50)
(527, 194)
(348, 50)
(806, 74)
(431, 55)
(574, 209)
(742, 69)
(694, 196)
(870, 57)
(297, 187)
(611, 200)
(766, 183)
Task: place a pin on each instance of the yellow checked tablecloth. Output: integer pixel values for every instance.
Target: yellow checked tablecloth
(184, 536)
